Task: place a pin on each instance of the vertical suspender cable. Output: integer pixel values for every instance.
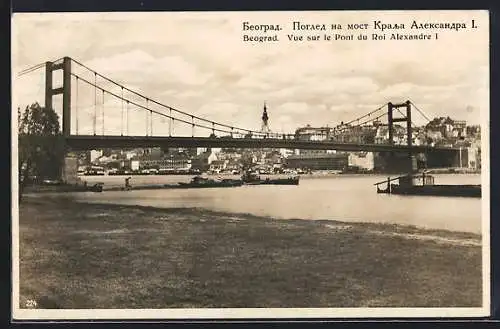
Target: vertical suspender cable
(76, 104)
(127, 117)
(122, 114)
(146, 121)
(170, 124)
(95, 101)
(103, 112)
(192, 126)
(150, 118)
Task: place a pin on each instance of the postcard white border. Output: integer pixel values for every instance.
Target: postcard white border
(254, 313)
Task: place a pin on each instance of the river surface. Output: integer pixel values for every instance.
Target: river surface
(348, 198)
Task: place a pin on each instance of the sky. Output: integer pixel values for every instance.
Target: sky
(198, 62)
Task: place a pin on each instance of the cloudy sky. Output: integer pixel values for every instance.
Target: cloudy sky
(198, 62)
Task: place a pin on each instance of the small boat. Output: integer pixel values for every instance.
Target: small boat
(251, 178)
(202, 182)
(96, 187)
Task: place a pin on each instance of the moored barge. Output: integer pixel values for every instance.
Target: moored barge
(251, 178)
(202, 182)
(423, 184)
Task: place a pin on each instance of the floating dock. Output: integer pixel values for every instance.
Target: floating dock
(423, 184)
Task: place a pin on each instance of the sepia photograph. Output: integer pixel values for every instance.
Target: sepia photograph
(239, 165)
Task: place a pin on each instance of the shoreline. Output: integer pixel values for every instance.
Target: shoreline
(91, 180)
(142, 257)
(398, 228)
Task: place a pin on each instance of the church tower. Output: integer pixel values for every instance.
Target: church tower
(265, 119)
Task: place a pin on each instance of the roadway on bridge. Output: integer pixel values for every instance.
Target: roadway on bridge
(87, 142)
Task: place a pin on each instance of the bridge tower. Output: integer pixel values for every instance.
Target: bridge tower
(65, 90)
(265, 120)
(411, 162)
(69, 168)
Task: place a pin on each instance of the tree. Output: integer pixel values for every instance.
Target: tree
(41, 146)
(435, 123)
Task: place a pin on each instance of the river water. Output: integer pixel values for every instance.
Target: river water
(348, 198)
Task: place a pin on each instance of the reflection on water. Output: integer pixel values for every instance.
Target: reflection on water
(342, 197)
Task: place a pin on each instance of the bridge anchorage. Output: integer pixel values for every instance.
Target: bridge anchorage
(166, 126)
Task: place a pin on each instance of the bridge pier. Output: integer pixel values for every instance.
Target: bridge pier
(395, 163)
(453, 158)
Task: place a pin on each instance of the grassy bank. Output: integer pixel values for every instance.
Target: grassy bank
(105, 256)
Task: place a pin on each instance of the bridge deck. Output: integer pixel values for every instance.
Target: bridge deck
(85, 142)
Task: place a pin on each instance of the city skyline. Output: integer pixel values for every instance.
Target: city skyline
(205, 68)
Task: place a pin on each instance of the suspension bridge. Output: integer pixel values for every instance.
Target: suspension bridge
(87, 91)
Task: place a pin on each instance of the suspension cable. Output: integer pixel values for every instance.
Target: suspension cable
(30, 69)
(421, 112)
(35, 67)
(336, 129)
(135, 104)
(156, 102)
(366, 115)
(40, 65)
(343, 129)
